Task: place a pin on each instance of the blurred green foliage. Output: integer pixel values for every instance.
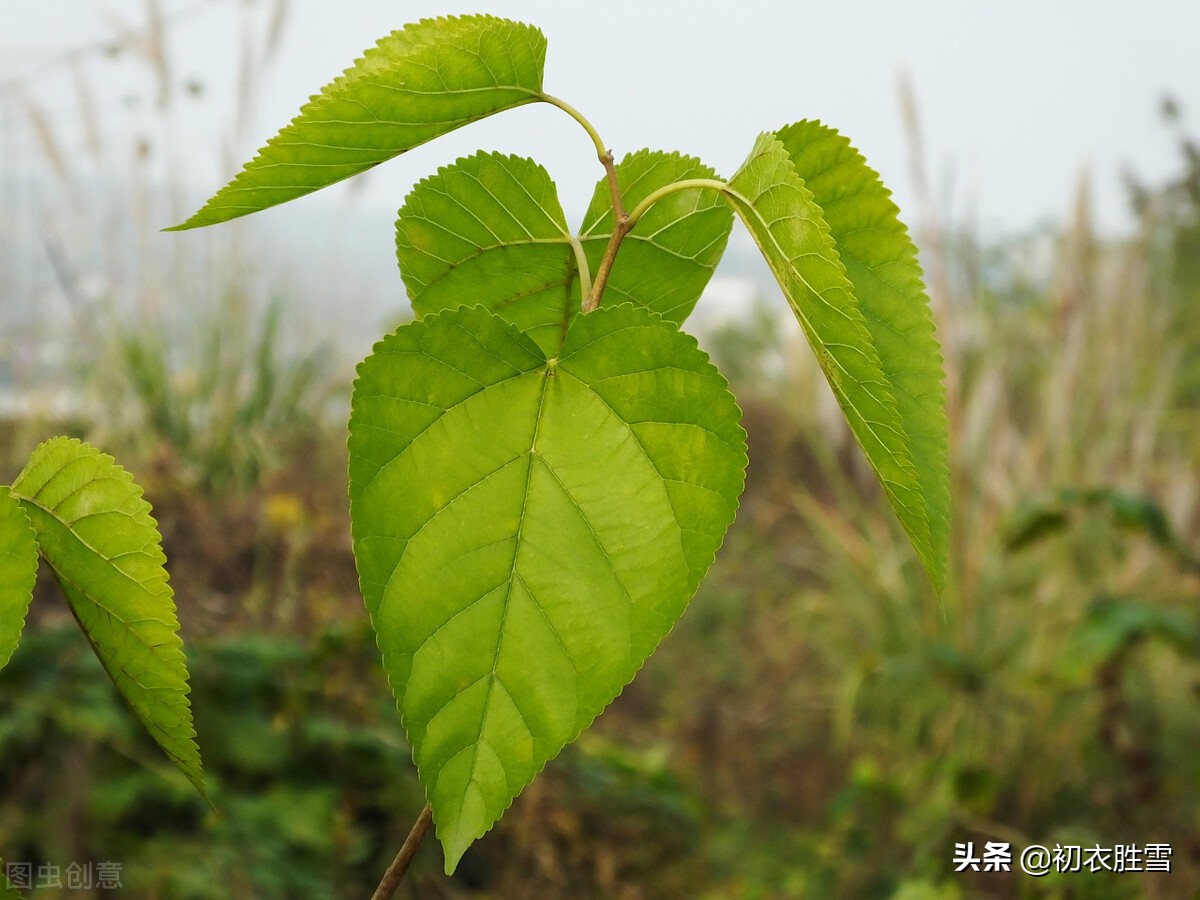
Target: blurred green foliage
(308, 768)
(224, 402)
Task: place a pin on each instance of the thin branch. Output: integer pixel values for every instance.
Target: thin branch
(610, 172)
(623, 221)
(395, 873)
(622, 225)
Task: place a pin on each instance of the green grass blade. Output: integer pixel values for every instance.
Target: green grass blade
(557, 516)
(415, 85)
(489, 230)
(789, 228)
(881, 262)
(97, 534)
(18, 572)
(669, 257)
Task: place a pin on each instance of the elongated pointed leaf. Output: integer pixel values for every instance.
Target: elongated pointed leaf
(490, 228)
(97, 534)
(881, 262)
(414, 85)
(528, 529)
(789, 228)
(18, 572)
(667, 260)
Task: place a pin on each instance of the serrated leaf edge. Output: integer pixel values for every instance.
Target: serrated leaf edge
(161, 579)
(451, 864)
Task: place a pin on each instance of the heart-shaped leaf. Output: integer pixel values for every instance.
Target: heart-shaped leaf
(528, 529)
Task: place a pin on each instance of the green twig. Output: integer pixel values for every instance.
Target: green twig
(622, 225)
(623, 222)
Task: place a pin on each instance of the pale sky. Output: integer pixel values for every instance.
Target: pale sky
(1014, 96)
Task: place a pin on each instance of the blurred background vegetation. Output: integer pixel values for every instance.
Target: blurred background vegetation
(818, 725)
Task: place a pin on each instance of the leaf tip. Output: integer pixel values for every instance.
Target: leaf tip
(455, 841)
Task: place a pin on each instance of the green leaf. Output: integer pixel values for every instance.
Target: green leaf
(881, 262)
(490, 227)
(789, 228)
(528, 529)
(415, 85)
(97, 534)
(18, 572)
(669, 257)
(7, 890)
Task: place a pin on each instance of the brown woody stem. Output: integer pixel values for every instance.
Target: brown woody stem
(395, 873)
(622, 225)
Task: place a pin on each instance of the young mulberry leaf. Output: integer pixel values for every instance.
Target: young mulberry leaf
(97, 534)
(490, 227)
(557, 514)
(790, 230)
(415, 85)
(881, 262)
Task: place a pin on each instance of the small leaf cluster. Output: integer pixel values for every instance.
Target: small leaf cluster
(543, 465)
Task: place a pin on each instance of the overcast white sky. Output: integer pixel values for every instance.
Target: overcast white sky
(1014, 96)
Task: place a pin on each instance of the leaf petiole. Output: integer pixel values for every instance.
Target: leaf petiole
(690, 184)
(624, 222)
(601, 148)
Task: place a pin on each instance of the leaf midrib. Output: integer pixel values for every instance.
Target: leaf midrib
(90, 596)
(494, 674)
(747, 207)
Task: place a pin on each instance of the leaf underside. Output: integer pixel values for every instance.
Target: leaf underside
(556, 517)
(790, 230)
(97, 534)
(417, 84)
(490, 227)
(881, 262)
(18, 572)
